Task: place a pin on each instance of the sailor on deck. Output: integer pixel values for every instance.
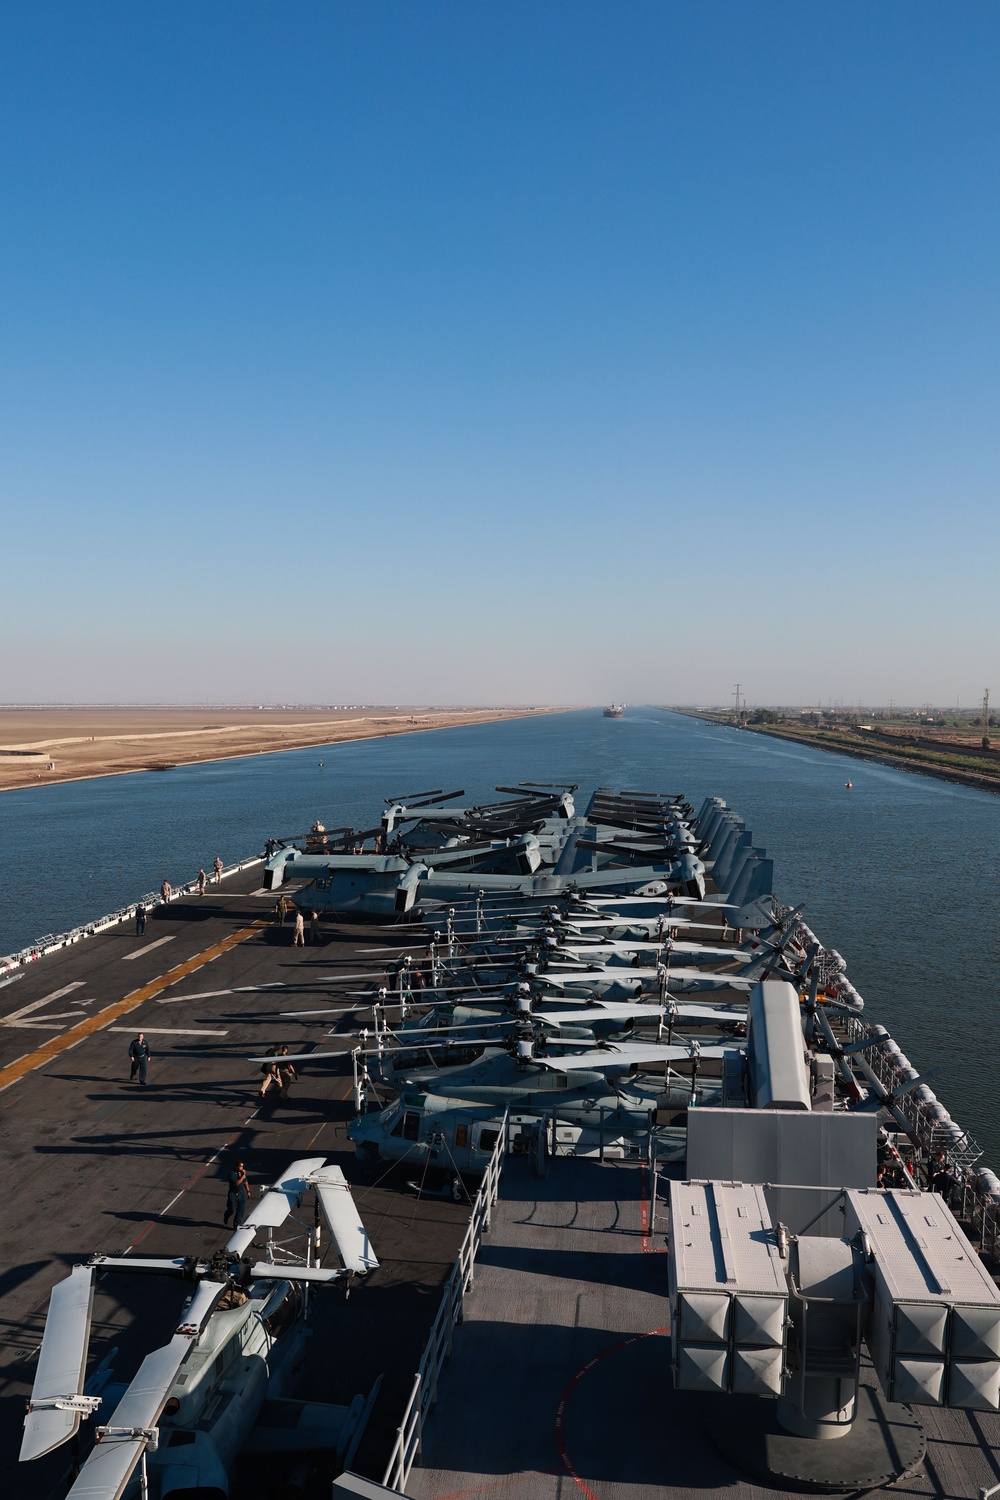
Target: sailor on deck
(238, 1196)
(139, 1056)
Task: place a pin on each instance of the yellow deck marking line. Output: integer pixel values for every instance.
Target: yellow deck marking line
(96, 1022)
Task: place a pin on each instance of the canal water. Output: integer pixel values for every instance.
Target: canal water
(900, 873)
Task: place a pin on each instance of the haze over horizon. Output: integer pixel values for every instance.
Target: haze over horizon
(235, 706)
(537, 353)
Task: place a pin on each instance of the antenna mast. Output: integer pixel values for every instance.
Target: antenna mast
(986, 719)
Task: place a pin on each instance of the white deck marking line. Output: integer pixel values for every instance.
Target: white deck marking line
(96, 1021)
(43, 1022)
(27, 1010)
(190, 1184)
(241, 989)
(272, 984)
(167, 1031)
(168, 1206)
(147, 948)
(205, 995)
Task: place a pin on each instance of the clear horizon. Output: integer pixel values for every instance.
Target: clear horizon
(289, 707)
(538, 353)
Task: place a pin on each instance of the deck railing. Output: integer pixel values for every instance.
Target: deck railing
(423, 1396)
(975, 1192)
(12, 965)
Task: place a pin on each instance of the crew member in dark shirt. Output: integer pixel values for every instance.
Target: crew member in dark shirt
(139, 1055)
(238, 1196)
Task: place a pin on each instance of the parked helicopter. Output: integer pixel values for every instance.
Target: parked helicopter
(220, 1385)
(529, 1075)
(451, 1036)
(612, 979)
(441, 1134)
(456, 1129)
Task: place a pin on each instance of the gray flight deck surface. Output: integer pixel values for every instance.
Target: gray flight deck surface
(93, 1162)
(559, 1383)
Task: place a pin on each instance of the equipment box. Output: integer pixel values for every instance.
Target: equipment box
(728, 1295)
(934, 1325)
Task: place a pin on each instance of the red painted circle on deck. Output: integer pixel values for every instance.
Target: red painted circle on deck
(636, 1338)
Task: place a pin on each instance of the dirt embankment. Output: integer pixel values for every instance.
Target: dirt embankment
(40, 745)
(920, 754)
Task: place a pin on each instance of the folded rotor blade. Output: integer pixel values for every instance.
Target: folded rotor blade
(333, 979)
(62, 1364)
(428, 995)
(272, 1271)
(624, 975)
(279, 1200)
(625, 1059)
(633, 945)
(343, 1220)
(174, 1265)
(341, 1010)
(119, 1448)
(587, 1015)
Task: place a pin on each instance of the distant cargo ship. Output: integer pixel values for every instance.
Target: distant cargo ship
(615, 711)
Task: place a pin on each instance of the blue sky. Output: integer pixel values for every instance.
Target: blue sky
(499, 352)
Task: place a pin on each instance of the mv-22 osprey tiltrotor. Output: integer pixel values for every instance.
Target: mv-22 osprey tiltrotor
(533, 847)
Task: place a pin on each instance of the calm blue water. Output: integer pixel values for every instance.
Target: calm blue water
(901, 874)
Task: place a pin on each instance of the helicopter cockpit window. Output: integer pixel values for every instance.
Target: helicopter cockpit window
(282, 1315)
(411, 1126)
(488, 1139)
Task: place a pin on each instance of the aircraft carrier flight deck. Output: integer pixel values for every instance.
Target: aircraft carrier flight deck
(658, 1210)
(95, 1163)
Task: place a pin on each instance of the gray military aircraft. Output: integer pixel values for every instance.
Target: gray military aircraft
(451, 1036)
(527, 1075)
(220, 1385)
(437, 1132)
(532, 846)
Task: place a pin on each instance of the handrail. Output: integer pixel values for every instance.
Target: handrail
(976, 1194)
(12, 964)
(437, 1350)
